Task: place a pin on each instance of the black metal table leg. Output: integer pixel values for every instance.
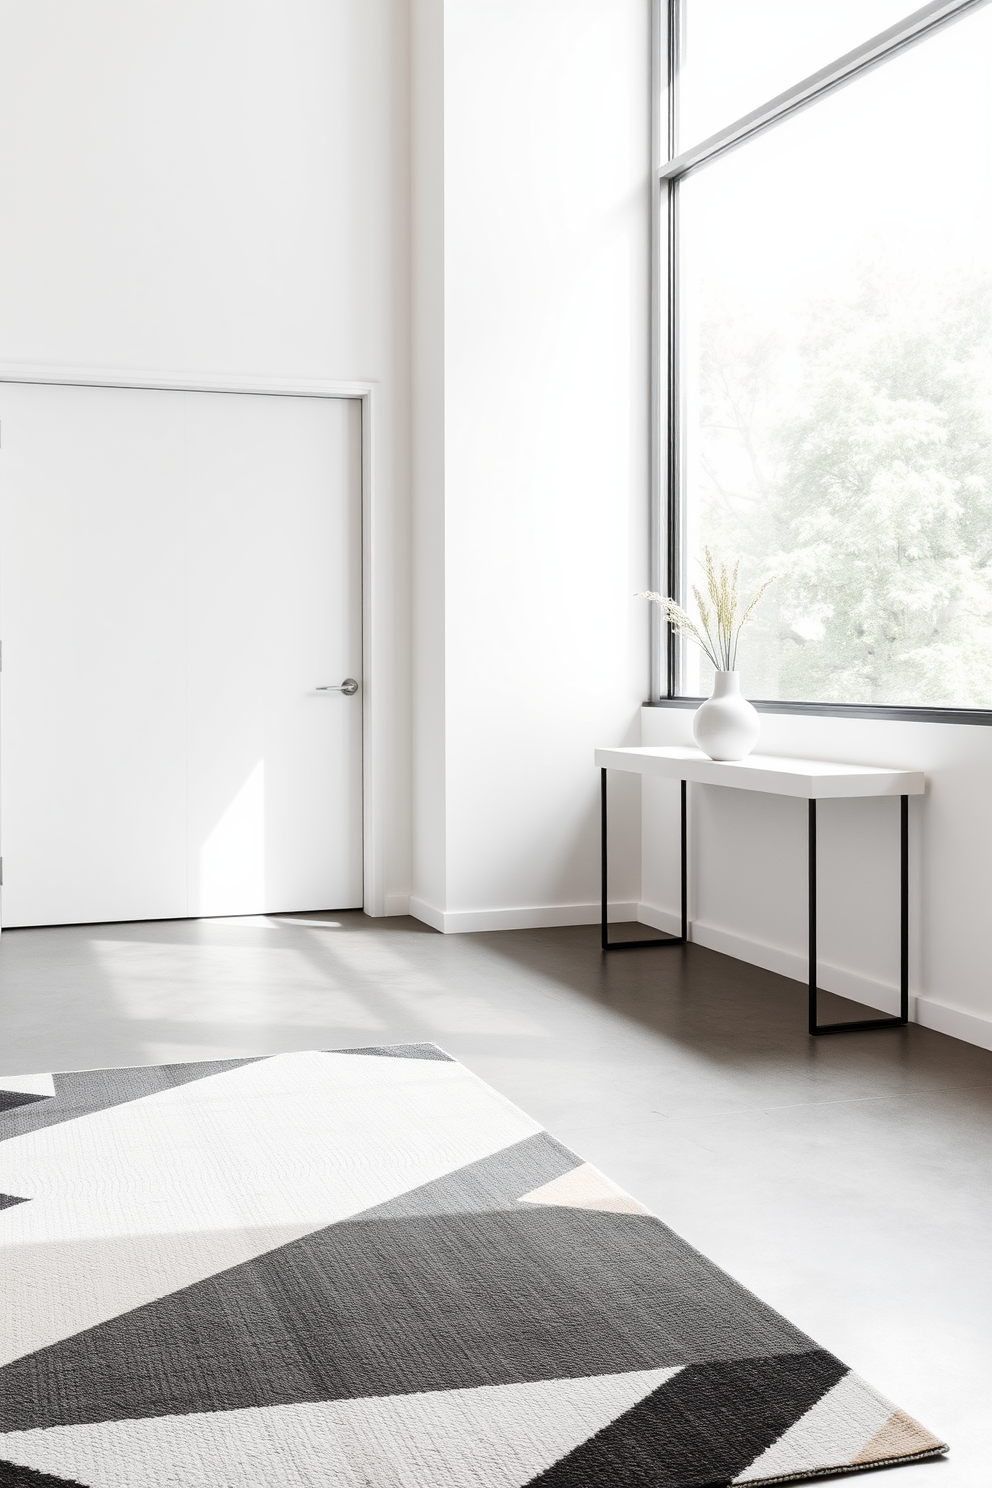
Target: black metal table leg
(904, 908)
(635, 945)
(685, 871)
(811, 875)
(855, 1026)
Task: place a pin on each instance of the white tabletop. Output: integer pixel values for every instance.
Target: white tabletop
(819, 779)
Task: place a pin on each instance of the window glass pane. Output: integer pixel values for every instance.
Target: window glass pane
(838, 383)
(737, 54)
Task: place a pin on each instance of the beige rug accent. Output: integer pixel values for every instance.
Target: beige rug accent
(901, 1436)
(584, 1188)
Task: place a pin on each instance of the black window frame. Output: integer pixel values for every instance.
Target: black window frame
(669, 168)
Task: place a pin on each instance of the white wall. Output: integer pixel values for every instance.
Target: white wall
(534, 370)
(211, 187)
(427, 177)
(748, 866)
(221, 187)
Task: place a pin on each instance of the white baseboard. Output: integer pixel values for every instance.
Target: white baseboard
(527, 917)
(396, 904)
(660, 919)
(969, 1027)
(882, 996)
(421, 910)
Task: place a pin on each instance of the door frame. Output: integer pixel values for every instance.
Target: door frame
(366, 393)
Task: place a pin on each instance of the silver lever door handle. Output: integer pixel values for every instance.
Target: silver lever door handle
(349, 687)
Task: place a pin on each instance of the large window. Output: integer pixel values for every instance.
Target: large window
(830, 361)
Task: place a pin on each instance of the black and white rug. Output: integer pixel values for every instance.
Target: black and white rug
(366, 1269)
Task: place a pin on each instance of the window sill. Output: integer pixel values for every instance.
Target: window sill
(982, 716)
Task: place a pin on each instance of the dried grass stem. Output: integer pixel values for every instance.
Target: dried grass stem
(722, 615)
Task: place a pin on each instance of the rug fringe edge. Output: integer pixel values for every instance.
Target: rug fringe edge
(853, 1467)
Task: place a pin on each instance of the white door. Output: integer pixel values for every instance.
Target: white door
(179, 573)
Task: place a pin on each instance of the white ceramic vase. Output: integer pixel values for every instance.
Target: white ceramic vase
(726, 726)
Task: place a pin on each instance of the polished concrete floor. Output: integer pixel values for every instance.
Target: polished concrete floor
(846, 1180)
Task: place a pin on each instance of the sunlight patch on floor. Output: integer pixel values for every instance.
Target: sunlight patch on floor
(236, 985)
(433, 1004)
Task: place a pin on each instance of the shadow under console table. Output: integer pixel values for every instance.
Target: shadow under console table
(811, 780)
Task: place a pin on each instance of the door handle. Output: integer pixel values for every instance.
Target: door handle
(349, 687)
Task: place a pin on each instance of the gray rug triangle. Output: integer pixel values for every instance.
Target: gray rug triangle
(399, 1051)
(12, 1475)
(67, 1096)
(24, 1090)
(317, 1267)
(11, 1100)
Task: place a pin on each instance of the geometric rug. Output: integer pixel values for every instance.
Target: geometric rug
(367, 1269)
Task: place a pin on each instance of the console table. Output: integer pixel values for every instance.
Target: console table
(812, 780)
